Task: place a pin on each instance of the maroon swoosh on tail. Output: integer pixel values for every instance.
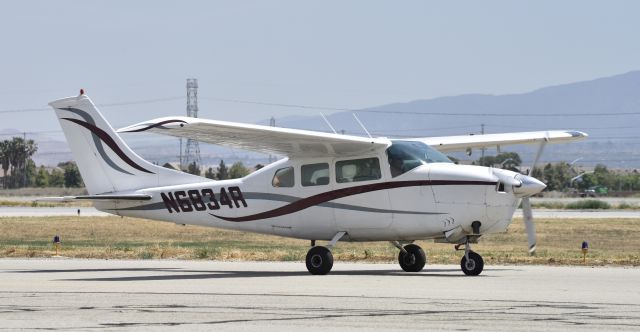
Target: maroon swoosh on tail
(340, 193)
(155, 125)
(110, 142)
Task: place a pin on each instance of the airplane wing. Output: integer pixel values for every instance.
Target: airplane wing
(270, 140)
(460, 143)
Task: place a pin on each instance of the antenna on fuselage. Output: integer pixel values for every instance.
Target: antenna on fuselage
(361, 125)
(328, 123)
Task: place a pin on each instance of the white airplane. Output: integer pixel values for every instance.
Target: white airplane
(330, 187)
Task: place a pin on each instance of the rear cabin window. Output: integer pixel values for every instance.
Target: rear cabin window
(358, 170)
(315, 174)
(283, 178)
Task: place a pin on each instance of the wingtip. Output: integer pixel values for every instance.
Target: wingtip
(577, 134)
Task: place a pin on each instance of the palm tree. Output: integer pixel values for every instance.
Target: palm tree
(19, 151)
(30, 148)
(15, 158)
(4, 160)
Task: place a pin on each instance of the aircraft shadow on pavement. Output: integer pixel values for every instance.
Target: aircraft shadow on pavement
(187, 274)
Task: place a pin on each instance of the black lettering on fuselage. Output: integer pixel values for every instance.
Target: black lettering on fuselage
(170, 202)
(213, 203)
(236, 195)
(196, 200)
(201, 200)
(184, 203)
(224, 198)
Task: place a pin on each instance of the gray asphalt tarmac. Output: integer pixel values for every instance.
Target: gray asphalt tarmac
(204, 295)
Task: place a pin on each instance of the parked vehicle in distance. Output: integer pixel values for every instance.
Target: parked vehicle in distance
(595, 191)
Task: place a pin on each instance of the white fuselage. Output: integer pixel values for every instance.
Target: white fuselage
(430, 201)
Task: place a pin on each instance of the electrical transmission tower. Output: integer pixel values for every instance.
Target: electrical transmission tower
(192, 149)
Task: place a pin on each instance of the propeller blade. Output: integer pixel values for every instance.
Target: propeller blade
(526, 207)
(529, 226)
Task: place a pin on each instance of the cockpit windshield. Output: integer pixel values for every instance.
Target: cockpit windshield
(407, 155)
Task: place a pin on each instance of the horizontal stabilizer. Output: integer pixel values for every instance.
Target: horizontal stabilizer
(132, 197)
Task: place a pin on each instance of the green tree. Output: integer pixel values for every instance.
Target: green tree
(72, 177)
(31, 172)
(42, 178)
(223, 171)
(505, 160)
(193, 169)
(210, 174)
(56, 178)
(5, 146)
(238, 170)
(15, 156)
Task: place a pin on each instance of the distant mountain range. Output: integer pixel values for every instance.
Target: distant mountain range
(587, 106)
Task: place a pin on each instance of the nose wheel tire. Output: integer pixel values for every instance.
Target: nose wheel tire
(413, 260)
(472, 266)
(319, 260)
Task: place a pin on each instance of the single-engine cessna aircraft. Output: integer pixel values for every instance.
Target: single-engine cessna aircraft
(329, 187)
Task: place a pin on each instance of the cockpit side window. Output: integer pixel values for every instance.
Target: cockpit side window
(407, 155)
(283, 178)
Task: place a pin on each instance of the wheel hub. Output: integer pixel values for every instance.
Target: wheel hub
(410, 259)
(316, 261)
(470, 264)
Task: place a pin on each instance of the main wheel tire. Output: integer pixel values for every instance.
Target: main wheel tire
(414, 260)
(319, 260)
(473, 266)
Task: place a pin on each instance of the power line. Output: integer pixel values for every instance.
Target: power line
(25, 110)
(143, 101)
(32, 132)
(238, 101)
(314, 107)
(555, 114)
(124, 103)
(501, 114)
(563, 128)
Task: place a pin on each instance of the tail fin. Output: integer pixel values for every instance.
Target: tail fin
(105, 161)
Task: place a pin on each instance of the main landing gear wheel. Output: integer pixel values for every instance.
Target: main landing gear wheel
(414, 258)
(319, 260)
(472, 266)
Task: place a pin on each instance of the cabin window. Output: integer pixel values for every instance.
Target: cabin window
(407, 155)
(358, 170)
(315, 174)
(283, 178)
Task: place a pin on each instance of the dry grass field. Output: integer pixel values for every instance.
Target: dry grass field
(612, 242)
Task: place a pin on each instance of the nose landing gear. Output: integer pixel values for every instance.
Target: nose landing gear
(471, 263)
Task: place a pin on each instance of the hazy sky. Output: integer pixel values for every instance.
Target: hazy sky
(350, 54)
